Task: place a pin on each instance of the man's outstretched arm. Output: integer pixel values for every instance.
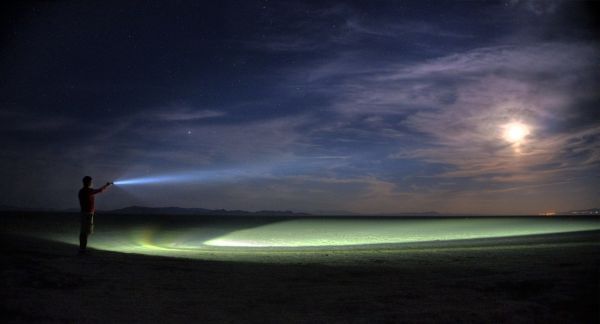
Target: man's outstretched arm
(101, 189)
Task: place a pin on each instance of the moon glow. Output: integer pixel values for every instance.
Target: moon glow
(515, 132)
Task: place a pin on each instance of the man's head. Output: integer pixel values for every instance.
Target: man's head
(87, 181)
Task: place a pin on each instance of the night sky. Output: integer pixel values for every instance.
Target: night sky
(315, 106)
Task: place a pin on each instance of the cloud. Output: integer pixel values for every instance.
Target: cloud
(537, 7)
(15, 119)
(338, 26)
(198, 143)
(186, 114)
(401, 29)
(450, 110)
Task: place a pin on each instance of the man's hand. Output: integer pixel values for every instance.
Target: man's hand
(108, 184)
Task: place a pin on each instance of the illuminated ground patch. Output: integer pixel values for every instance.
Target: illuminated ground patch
(219, 241)
(331, 232)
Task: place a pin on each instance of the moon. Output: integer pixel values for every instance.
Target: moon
(515, 132)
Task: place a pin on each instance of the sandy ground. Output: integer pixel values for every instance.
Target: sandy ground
(546, 279)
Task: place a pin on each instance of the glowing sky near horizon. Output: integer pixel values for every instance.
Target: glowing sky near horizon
(346, 106)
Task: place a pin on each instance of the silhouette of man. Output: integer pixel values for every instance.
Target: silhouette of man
(87, 202)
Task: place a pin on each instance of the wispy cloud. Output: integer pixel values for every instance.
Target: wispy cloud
(14, 119)
(184, 114)
(451, 110)
(336, 27)
(537, 7)
(401, 29)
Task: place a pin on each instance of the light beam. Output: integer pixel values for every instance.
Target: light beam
(188, 177)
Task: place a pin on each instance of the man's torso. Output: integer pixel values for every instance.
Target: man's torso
(87, 200)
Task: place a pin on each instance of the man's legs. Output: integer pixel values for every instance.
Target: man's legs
(87, 228)
(82, 240)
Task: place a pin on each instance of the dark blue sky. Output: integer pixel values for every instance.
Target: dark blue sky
(367, 106)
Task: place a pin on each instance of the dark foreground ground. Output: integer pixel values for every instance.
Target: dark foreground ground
(541, 282)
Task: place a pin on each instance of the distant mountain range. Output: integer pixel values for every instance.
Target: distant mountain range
(203, 211)
(427, 213)
(14, 208)
(200, 211)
